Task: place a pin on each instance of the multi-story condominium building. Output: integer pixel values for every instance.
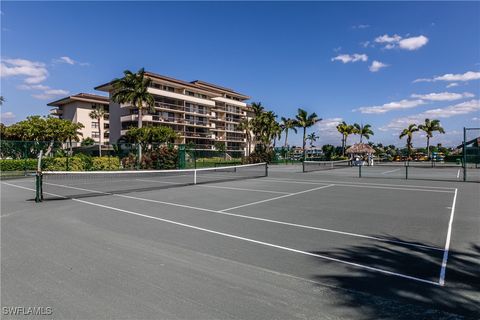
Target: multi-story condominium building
(77, 108)
(201, 113)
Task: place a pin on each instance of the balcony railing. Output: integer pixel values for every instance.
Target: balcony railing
(197, 135)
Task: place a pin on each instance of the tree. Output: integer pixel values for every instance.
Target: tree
(345, 130)
(2, 100)
(429, 127)
(98, 114)
(220, 147)
(305, 120)
(408, 132)
(363, 131)
(146, 136)
(328, 151)
(246, 125)
(312, 137)
(72, 133)
(133, 89)
(288, 124)
(87, 142)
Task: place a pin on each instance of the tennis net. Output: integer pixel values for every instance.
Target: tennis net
(77, 184)
(309, 166)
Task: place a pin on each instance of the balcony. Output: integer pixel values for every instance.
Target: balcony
(56, 112)
(179, 96)
(197, 135)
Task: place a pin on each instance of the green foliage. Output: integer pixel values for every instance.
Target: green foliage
(105, 163)
(328, 151)
(18, 164)
(146, 136)
(163, 157)
(87, 142)
(258, 156)
(60, 164)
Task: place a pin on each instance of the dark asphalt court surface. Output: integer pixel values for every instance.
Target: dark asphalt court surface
(317, 245)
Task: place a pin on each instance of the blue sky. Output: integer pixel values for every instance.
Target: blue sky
(386, 64)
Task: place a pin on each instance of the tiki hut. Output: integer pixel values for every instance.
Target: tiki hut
(361, 152)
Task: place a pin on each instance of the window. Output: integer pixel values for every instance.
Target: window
(106, 126)
(95, 125)
(95, 134)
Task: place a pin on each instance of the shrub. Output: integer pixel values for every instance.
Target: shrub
(262, 156)
(18, 164)
(105, 163)
(60, 164)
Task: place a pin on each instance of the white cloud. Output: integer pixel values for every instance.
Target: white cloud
(438, 113)
(377, 65)
(413, 43)
(453, 84)
(476, 119)
(346, 58)
(391, 106)
(327, 131)
(50, 94)
(388, 39)
(32, 71)
(67, 60)
(7, 116)
(56, 92)
(450, 77)
(365, 44)
(33, 87)
(443, 96)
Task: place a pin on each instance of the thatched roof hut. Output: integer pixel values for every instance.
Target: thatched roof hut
(360, 148)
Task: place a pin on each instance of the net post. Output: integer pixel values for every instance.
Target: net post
(195, 177)
(406, 169)
(266, 169)
(303, 165)
(464, 154)
(359, 170)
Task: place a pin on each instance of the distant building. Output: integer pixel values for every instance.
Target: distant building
(77, 109)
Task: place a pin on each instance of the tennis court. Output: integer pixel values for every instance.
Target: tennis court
(238, 243)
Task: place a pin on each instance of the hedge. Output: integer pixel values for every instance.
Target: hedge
(18, 164)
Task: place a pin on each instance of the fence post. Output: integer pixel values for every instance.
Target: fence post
(464, 154)
(359, 170)
(406, 170)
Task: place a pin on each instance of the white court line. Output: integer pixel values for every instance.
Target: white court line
(267, 244)
(447, 242)
(458, 173)
(218, 187)
(390, 171)
(279, 197)
(253, 218)
(372, 186)
(358, 183)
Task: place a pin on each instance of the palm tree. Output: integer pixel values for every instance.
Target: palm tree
(133, 89)
(98, 114)
(246, 125)
(408, 132)
(429, 127)
(304, 120)
(345, 130)
(312, 137)
(363, 131)
(2, 100)
(288, 124)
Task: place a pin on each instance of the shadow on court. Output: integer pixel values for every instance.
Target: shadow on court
(381, 296)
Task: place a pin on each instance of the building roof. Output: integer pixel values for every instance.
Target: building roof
(85, 97)
(360, 148)
(197, 84)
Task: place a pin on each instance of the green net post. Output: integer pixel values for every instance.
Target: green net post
(360, 171)
(181, 156)
(25, 157)
(406, 170)
(38, 187)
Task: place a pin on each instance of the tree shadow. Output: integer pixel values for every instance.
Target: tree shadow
(379, 296)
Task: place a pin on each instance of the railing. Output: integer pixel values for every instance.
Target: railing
(197, 135)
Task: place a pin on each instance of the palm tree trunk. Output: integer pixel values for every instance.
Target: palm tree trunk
(99, 138)
(286, 137)
(139, 126)
(343, 144)
(428, 147)
(361, 138)
(304, 142)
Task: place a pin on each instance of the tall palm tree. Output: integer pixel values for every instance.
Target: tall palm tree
(429, 127)
(363, 131)
(246, 125)
(133, 89)
(288, 124)
(312, 137)
(98, 114)
(345, 130)
(408, 132)
(305, 120)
